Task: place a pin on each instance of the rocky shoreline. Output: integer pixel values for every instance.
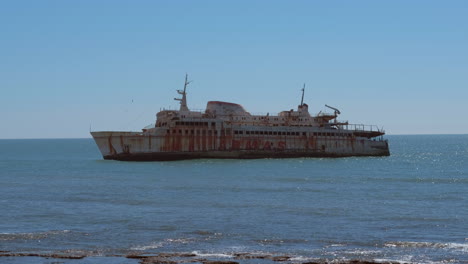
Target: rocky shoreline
(176, 258)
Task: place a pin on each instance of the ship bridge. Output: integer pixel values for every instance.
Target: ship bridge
(218, 108)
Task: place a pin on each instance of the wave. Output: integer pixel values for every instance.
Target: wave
(409, 244)
(172, 241)
(212, 255)
(31, 236)
(150, 246)
(280, 241)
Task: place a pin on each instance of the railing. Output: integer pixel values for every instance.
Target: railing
(177, 109)
(360, 127)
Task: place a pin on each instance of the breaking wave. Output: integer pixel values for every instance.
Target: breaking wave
(213, 255)
(408, 244)
(164, 243)
(150, 246)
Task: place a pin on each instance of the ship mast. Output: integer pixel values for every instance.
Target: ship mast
(183, 100)
(302, 99)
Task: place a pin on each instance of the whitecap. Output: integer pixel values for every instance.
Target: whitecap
(150, 246)
(212, 255)
(411, 244)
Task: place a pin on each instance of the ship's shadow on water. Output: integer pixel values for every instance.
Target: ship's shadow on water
(61, 200)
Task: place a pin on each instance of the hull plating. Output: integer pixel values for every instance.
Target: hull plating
(131, 146)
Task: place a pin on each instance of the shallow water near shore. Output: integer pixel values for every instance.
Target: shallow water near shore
(58, 195)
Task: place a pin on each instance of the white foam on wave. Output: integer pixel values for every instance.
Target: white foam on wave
(167, 241)
(150, 246)
(410, 244)
(302, 259)
(362, 252)
(337, 245)
(186, 240)
(459, 246)
(212, 255)
(392, 261)
(403, 261)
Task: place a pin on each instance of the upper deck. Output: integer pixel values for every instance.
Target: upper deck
(218, 115)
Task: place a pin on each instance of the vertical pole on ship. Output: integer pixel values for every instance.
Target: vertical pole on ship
(302, 99)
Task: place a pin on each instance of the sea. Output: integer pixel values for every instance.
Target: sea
(58, 196)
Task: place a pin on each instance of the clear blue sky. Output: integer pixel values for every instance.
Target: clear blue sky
(113, 64)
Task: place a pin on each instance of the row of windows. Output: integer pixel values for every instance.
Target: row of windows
(193, 132)
(283, 133)
(206, 124)
(332, 134)
(273, 133)
(190, 123)
(272, 118)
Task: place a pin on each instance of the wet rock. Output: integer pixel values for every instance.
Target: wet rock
(356, 261)
(251, 256)
(137, 256)
(196, 260)
(157, 260)
(19, 255)
(174, 255)
(220, 262)
(60, 256)
(169, 255)
(280, 258)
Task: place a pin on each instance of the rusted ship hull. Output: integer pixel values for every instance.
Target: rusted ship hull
(132, 146)
(227, 131)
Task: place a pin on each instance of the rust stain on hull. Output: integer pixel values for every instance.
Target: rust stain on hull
(194, 147)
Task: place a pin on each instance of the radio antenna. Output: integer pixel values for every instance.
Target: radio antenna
(302, 99)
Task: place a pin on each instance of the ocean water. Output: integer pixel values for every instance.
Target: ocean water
(58, 195)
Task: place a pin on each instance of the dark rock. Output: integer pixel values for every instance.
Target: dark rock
(21, 255)
(250, 256)
(137, 256)
(60, 256)
(356, 261)
(220, 262)
(173, 255)
(157, 260)
(197, 260)
(169, 255)
(280, 258)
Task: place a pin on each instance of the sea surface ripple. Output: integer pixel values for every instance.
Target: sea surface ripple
(58, 195)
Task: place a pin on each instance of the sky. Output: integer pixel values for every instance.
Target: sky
(68, 67)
